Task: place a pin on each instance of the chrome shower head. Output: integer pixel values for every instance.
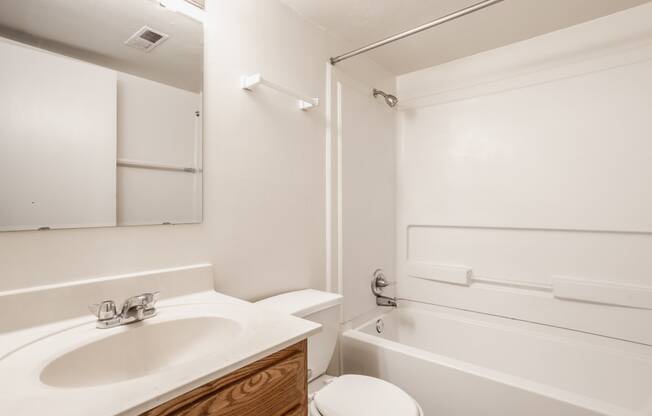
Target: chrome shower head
(390, 99)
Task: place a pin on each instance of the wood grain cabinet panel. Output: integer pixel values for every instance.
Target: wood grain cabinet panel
(272, 386)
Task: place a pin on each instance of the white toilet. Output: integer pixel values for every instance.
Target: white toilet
(347, 395)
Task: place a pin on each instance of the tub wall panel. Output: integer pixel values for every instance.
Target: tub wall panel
(528, 162)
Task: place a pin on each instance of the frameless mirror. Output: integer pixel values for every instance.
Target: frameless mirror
(100, 113)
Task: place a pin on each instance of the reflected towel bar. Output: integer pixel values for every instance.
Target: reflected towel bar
(249, 82)
(158, 166)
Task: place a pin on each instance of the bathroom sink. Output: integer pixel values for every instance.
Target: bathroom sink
(139, 350)
(70, 367)
(182, 340)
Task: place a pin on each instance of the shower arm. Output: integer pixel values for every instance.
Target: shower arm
(390, 99)
(462, 12)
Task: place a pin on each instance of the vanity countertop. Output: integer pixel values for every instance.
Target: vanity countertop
(23, 391)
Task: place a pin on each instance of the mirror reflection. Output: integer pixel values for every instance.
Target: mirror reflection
(100, 113)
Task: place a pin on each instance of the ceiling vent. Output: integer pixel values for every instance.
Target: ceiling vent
(146, 39)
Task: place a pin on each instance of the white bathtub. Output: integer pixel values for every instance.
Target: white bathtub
(461, 363)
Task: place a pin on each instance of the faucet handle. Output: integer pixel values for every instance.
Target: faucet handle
(104, 310)
(378, 283)
(382, 282)
(379, 279)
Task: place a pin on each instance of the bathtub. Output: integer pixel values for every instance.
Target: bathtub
(467, 364)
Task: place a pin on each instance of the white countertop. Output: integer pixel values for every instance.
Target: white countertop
(24, 353)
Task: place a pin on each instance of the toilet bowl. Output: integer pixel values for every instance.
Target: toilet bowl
(359, 395)
(347, 395)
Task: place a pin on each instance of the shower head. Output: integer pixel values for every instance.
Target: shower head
(390, 99)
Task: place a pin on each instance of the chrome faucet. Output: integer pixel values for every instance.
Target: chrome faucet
(136, 308)
(378, 283)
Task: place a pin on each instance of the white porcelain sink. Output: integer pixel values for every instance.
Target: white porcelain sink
(82, 356)
(72, 368)
(142, 349)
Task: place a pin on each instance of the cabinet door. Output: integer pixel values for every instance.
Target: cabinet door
(273, 386)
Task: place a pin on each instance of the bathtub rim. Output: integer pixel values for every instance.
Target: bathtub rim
(564, 335)
(541, 389)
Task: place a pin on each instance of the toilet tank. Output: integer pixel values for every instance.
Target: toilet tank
(316, 306)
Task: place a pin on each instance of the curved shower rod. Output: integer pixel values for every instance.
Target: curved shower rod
(398, 36)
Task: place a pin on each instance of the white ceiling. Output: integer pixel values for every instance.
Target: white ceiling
(366, 21)
(95, 30)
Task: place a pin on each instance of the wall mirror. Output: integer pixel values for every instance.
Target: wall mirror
(100, 113)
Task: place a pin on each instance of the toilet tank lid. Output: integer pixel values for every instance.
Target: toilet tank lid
(301, 303)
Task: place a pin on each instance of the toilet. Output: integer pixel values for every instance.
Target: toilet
(347, 395)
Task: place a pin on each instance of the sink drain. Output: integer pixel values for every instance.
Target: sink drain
(380, 325)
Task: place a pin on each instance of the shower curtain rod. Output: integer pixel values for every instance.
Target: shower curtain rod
(462, 12)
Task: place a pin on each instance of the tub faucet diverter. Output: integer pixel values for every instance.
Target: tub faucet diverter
(378, 283)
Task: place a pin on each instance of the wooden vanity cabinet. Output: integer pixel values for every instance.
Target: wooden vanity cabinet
(272, 386)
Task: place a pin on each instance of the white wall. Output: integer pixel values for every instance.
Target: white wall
(158, 124)
(529, 165)
(264, 195)
(57, 141)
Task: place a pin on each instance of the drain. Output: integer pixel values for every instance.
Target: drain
(380, 325)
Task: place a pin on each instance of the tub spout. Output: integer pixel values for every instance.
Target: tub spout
(386, 301)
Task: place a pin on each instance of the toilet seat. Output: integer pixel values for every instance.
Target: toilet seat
(356, 395)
